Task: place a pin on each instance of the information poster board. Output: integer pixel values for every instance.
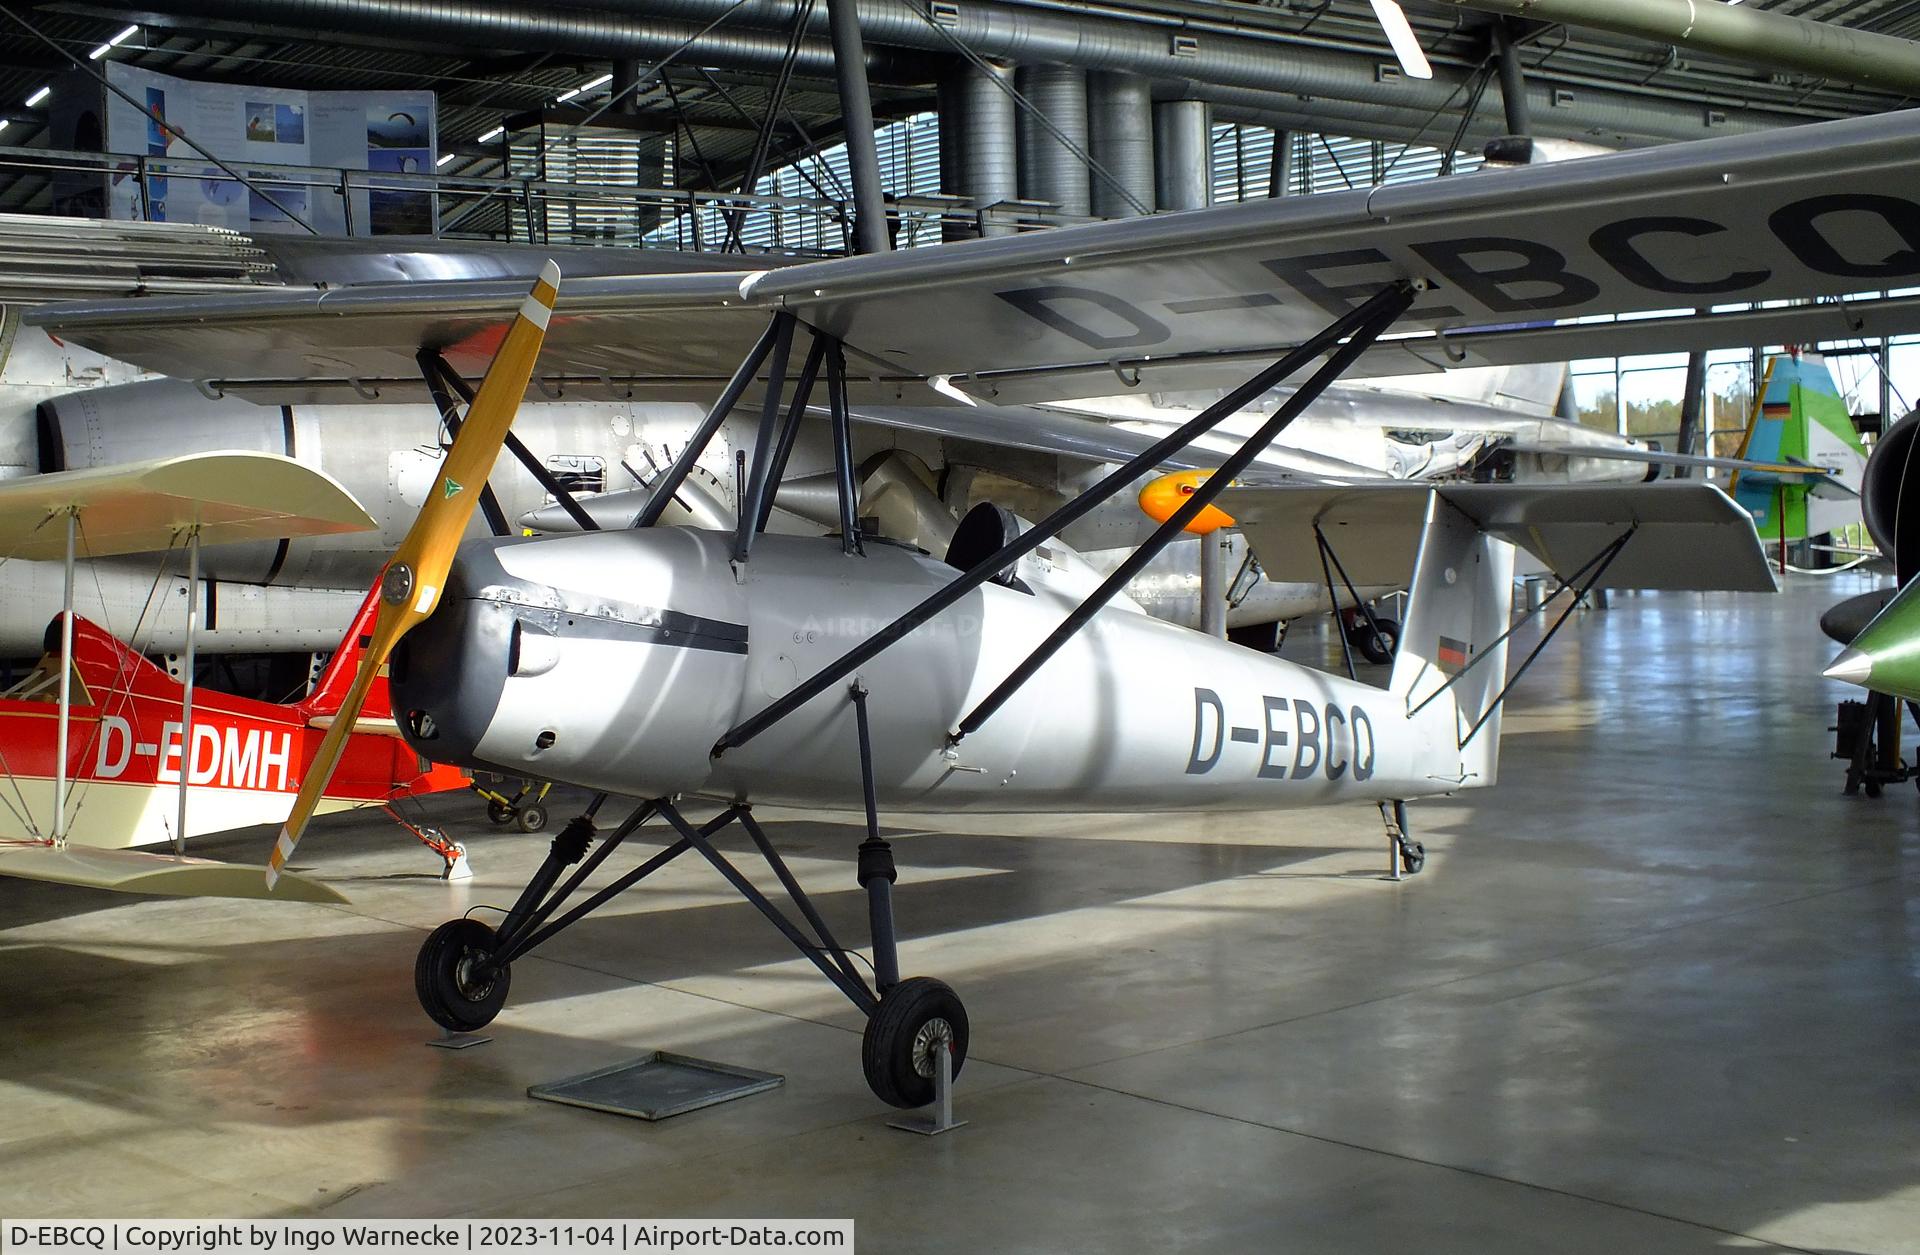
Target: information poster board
(255, 128)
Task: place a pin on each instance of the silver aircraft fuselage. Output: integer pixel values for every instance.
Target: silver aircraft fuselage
(616, 660)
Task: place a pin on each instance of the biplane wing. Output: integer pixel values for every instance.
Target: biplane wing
(131, 871)
(1677, 244)
(145, 507)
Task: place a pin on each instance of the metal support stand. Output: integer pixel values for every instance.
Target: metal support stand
(1213, 580)
(941, 1120)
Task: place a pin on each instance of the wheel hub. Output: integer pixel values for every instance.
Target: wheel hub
(473, 975)
(935, 1034)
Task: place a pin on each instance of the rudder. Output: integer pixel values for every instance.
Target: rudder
(1459, 604)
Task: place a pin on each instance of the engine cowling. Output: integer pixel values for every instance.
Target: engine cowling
(1893, 475)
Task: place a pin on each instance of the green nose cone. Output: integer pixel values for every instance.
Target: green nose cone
(1885, 657)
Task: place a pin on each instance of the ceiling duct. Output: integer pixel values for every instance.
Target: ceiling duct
(751, 36)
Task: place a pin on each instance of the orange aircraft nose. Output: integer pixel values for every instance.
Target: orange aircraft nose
(1161, 498)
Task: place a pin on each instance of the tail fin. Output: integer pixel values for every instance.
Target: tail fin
(1802, 418)
(337, 677)
(1459, 603)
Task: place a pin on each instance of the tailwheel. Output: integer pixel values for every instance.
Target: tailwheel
(455, 978)
(915, 1018)
(1413, 856)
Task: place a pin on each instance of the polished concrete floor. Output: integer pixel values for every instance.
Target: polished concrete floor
(1656, 992)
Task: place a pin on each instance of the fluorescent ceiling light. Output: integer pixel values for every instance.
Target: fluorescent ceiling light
(1413, 62)
(5, 123)
(445, 158)
(569, 94)
(39, 96)
(494, 134)
(602, 81)
(113, 43)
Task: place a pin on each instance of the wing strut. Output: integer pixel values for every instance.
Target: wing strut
(444, 385)
(1381, 311)
(1363, 324)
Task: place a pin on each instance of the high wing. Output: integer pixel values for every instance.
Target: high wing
(1174, 300)
(1687, 534)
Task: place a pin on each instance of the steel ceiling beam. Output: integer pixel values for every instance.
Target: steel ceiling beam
(1739, 32)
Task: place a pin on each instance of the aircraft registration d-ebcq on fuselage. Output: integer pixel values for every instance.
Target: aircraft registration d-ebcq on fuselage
(724, 664)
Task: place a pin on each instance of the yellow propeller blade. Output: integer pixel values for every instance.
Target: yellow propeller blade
(416, 575)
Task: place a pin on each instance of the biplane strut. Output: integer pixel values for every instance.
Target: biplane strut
(463, 971)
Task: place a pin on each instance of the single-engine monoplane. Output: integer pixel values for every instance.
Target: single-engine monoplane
(743, 667)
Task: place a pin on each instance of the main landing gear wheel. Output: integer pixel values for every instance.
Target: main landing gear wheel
(1375, 647)
(499, 812)
(914, 1018)
(458, 987)
(1413, 856)
(531, 818)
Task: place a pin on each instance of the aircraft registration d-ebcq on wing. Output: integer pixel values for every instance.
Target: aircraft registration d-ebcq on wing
(724, 664)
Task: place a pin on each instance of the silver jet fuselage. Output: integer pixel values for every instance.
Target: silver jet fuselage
(616, 661)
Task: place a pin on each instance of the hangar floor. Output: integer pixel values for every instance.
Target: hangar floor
(1657, 992)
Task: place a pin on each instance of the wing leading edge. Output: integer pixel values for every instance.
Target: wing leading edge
(1818, 211)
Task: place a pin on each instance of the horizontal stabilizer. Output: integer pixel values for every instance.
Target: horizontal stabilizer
(1687, 534)
(130, 871)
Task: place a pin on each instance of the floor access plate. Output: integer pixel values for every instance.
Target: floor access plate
(656, 1086)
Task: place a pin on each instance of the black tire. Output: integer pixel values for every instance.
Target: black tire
(444, 979)
(1376, 649)
(499, 812)
(1413, 857)
(532, 818)
(896, 1054)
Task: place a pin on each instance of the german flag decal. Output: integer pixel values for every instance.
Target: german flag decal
(1453, 655)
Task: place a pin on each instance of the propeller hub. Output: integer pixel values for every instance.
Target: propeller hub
(397, 584)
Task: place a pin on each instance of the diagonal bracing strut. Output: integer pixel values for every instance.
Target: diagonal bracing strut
(1394, 297)
(1203, 496)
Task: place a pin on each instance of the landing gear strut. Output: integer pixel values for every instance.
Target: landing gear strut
(1404, 854)
(463, 972)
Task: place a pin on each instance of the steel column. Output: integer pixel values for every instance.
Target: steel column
(856, 108)
(1182, 154)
